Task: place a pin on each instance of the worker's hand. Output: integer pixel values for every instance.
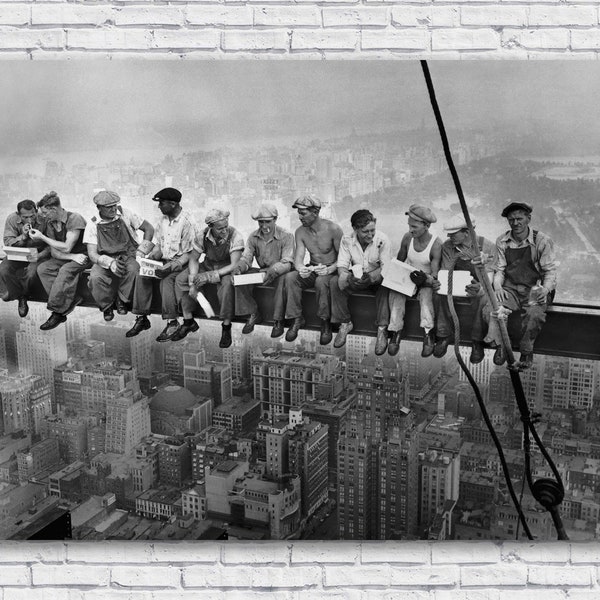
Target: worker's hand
(436, 285)
(321, 269)
(539, 294)
(271, 275)
(304, 272)
(193, 292)
(35, 234)
(473, 288)
(501, 294)
(80, 259)
(164, 271)
(200, 279)
(419, 278)
(118, 268)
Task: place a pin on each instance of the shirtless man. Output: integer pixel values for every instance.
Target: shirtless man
(420, 249)
(321, 238)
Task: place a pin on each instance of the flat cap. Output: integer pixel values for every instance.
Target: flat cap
(215, 214)
(265, 211)
(456, 223)
(421, 213)
(307, 202)
(106, 198)
(168, 193)
(517, 206)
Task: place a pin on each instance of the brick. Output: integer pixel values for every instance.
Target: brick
(15, 14)
(149, 15)
(352, 577)
(108, 552)
(292, 16)
(25, 552)
(513, 575)
(219, 16)
(349, 17)
(324, 40)
(588, 39)
(255, 40)
(397, 595)
(185, 38)
(546, 552)
(138, 576)
(582, 595)
(395, 552)
(20, 55)
(217, 576)
(464, 552)
(408, 39)
(254, 595)
(263, 553)
(109, 39)
(577, 55)
(465, 39)
(563, 16)
(493, 15)
(536, 39)
(70, 14)
(470, 595)
(69, 575)
(584, 552)
(426, 16)
(542, 575)
(316, 594)
(287, 577)
(325, 552)
(15, 575)
(77, 55)
(46, 594)
(185, 552)
(18, 39)
(533, 594)
(424, 576)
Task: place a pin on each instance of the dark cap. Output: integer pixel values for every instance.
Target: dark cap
(517, 206)
(168, 193)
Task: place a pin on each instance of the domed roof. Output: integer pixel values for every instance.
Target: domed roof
(174, 399)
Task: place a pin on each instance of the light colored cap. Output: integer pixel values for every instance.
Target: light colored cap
(421, 213)
(216, 214)
(106, 198)
(265, 211)
(307, 202)
(456, 223)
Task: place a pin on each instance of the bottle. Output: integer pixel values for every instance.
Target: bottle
(534, 293)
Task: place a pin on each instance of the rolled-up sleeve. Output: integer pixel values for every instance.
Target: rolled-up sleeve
(344, 259)
(237, 242)
(547, 262)
(11, 231)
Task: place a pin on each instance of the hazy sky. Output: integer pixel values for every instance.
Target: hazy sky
(63, 106)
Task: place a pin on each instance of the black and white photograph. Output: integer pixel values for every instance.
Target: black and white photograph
(300, 300)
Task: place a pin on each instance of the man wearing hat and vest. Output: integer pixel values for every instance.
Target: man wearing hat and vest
(222, 247)
(360, 260)
(457, 253)
(422, 250)
(173, 237)
(60, 274)
(524, 279)
(321, 238)
(17, 277)
(112, 247)
(273, 249)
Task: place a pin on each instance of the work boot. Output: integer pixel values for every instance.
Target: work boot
(526, 360)
(340, 338)
(121, 306)
(292, 332)
(141, 324)
(188, 326)
(253, 319)
(382, 341)
(477, 353)
(225, 340)
(277, 330)
(428, 344)
(167, 333)
(109, 314)
(54, 321)
(326, 334)
(499, 356)
(441, 346)
(23, 308)
(394, 344)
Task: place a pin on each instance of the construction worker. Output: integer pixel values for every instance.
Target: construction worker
(524, 279)
(60, 273)
(321, 238)
(173, 237)
(112, 247)
(360, 260)
(222, 246)
(273, 249)
(458, 253)
(422, 250)
(18, 277)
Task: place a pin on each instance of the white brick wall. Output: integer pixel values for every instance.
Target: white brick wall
(304, 29)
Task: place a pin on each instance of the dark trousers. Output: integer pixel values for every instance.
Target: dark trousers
(225, 293)
(60, 279)
(17, 278)
(245, 304)
(105, 285)
(340, 313)
(444, 326)
(142, 296)
(294, 285)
